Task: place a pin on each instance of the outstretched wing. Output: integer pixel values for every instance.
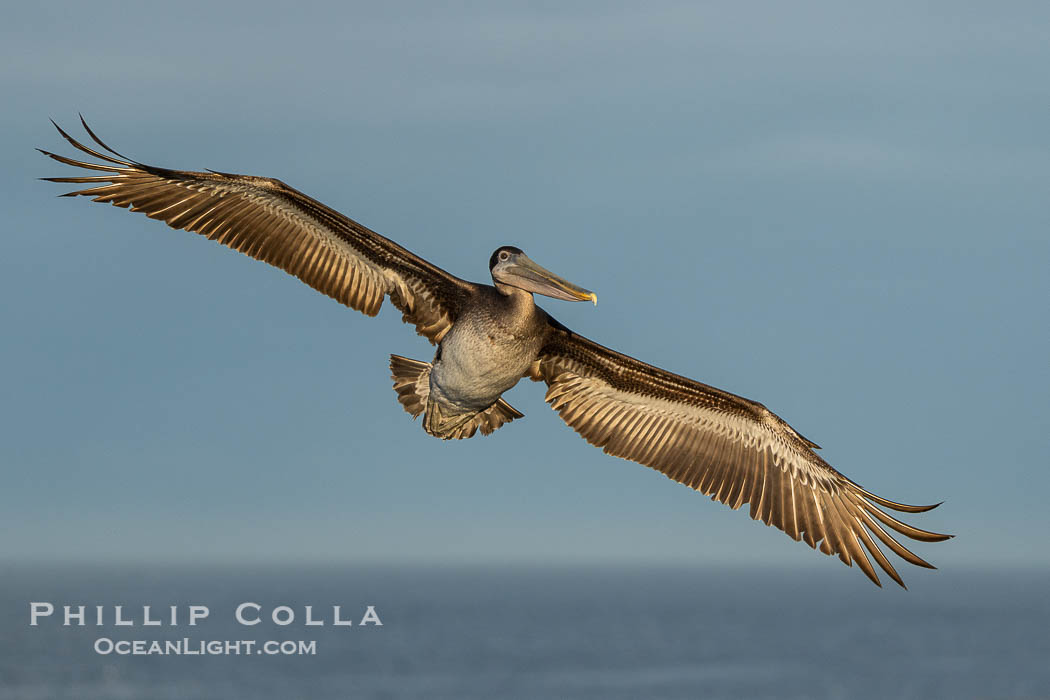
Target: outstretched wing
(272, 222)
(732, 449)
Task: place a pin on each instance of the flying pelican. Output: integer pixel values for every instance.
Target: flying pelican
(489, 337)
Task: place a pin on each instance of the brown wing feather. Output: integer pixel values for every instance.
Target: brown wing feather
(272, 222)
(725, 446)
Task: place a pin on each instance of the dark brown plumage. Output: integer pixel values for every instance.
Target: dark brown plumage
(735, 450)
(268, 220)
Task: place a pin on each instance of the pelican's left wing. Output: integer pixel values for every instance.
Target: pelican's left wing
(725, 446)
(272, 222)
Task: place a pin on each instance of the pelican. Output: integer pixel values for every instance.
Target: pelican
(489, 337)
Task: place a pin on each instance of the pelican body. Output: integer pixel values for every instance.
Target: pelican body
(488, 350)
(489, 337)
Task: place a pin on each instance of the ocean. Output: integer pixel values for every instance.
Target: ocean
(462, 632)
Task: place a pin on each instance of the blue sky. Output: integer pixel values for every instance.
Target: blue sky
(840, 212)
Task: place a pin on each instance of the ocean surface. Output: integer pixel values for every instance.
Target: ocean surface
(535, 632)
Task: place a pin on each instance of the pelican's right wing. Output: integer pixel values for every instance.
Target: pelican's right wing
(272, 222)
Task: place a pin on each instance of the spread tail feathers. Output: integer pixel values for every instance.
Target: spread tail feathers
(412, 384)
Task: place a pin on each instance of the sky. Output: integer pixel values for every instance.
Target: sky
(838, 211)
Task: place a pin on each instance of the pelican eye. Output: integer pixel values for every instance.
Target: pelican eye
(504, 256)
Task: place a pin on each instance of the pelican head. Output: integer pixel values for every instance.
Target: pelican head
(512, 268)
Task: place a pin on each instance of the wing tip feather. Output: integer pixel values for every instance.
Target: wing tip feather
(99, 141)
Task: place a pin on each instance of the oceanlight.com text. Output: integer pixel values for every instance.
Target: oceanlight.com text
(203, 647)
